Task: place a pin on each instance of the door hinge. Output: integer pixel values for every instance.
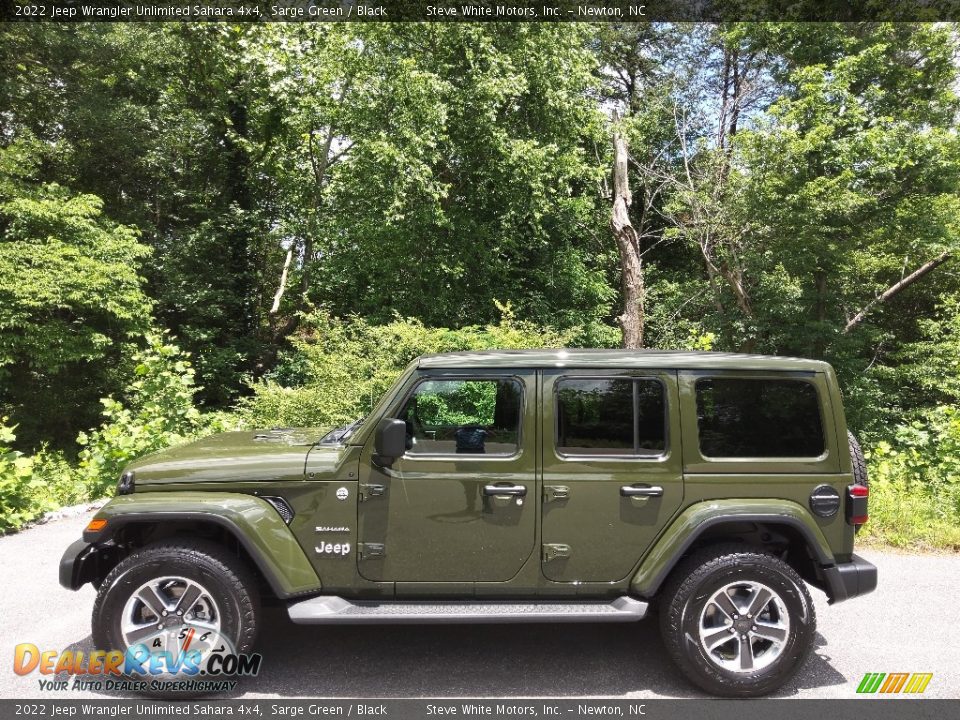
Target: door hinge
(552, 551)
(555, 492)
(370, 550)
(369, 490)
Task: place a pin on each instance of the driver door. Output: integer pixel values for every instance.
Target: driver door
(460, 505)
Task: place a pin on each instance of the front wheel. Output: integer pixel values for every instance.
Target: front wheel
(181, 600)
(738, 622)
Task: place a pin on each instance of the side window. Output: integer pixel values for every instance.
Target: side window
(457, 417)
(606, 416)
(746, 418)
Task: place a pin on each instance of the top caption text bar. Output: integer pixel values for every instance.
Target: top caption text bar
(504, 11)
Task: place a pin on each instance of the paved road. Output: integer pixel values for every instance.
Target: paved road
(911, 624)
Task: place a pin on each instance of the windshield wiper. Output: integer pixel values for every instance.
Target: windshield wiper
(339, 434)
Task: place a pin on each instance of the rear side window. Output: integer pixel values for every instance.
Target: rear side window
(607, 416)
(748, 418)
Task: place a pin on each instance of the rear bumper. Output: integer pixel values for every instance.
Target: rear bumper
(848, 580)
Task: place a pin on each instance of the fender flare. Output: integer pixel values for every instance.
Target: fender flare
(693, 522)
(253, 522)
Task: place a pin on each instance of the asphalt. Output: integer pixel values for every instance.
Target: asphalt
(910, 624)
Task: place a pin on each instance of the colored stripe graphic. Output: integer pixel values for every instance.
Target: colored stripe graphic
(894, 683)
(918, 682)
(913, 683)
(870, 682)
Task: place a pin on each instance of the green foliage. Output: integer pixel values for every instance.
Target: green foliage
(923, 455)
(157, 411)
(468, 402)
(68, 280)
(466, 151)
(70, 297)
(20, 497)
(61, 484)
(32, 485)
(915, 484)
(339, 367)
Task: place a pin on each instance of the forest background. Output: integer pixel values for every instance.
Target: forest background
(207, 226)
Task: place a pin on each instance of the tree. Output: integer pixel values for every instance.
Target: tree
(463, 175)
(631, 263)
(634, 64)
(855, 173)
(71, 298)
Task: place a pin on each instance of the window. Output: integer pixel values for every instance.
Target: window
(740, 418)
(606, 416)
(463, 417)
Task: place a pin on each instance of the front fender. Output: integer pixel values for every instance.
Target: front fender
(254, 523)
(698, 518)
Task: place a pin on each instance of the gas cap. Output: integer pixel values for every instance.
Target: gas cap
(825, 501)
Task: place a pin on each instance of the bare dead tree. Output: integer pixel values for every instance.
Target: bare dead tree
(631, 320)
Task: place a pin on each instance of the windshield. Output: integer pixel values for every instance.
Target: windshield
(340, 435)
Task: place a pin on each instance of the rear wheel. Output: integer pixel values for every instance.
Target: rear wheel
(738, 622)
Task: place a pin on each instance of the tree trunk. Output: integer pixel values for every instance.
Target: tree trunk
(238, 251)
(631, 264)
(820, 341)
(283, 283)
(320, 162)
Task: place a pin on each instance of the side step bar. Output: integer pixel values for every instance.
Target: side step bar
(330, 610)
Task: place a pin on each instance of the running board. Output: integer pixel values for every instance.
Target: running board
(331, 610)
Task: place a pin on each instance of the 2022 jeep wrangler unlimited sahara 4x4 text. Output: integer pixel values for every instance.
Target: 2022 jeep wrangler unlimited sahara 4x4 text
(510, 486)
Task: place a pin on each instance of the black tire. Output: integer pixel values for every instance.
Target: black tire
(689, 591)
(228, 580)
(857, 460)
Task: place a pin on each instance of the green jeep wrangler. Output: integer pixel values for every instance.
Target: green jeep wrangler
(509, 487)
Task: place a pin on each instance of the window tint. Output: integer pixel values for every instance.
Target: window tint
(610, 417)
(448, 417)
(758, 418)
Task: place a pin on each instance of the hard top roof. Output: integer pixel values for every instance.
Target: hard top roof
(620, 359)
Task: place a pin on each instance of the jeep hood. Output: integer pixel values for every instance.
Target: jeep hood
(244, 456)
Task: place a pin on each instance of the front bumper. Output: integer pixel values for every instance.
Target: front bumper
(848, 580)
(85, 562)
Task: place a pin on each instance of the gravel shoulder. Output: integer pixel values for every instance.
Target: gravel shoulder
(910, 624)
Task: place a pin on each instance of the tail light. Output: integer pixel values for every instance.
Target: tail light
(857, 497)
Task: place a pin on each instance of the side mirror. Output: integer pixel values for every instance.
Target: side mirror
(390, 441)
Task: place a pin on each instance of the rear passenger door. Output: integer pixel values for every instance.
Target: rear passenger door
(611, 469)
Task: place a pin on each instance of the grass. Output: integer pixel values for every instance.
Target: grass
(911, 519)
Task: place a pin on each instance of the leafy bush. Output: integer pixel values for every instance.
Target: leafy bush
(915, 484)
(61, 484)
(339, 368)
(157, 411)
(20, 490)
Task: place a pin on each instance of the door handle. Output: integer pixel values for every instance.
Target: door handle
(517, 490)
(646, 491)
